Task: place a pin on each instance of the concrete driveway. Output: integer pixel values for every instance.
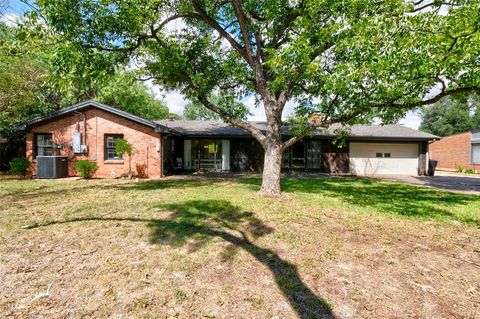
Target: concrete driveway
(453, 182)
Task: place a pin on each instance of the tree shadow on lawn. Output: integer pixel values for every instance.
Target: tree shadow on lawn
(389, 198)
(202, 220)
(49, 190)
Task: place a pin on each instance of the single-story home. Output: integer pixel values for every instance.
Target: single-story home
(89, 130)
(458, 150)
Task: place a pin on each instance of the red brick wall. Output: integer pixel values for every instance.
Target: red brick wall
(452, 151)
(98, 122)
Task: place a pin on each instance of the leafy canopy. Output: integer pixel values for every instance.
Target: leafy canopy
(452, 115)
(196, 111)
(349, 60)
(123, 147)
(39, 73)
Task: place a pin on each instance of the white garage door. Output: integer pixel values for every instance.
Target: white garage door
(380, 158)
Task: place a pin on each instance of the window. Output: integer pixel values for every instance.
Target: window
(379, 155)
(476, 153)
(43, 144)
(110, 153)
(387, 155)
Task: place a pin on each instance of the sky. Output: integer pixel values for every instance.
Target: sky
(174, 99)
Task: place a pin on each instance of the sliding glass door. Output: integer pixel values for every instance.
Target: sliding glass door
(303, 155)
(207, 155)
(314, 155)
(298, 155)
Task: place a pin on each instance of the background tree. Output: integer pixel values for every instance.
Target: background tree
(125, 92)
(451, 115)
(196, 111)
(343, 61)
(39, 74)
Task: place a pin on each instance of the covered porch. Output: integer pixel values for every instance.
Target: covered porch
(246, 155)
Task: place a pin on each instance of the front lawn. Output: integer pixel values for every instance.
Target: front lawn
(194, 247)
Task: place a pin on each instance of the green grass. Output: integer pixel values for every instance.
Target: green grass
(382, 198)
(172, 238)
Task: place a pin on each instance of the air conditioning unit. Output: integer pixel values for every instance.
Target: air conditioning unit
(52, 166)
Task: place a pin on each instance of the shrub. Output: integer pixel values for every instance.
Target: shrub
(469, 171)
(86, 168)
(123, 147)
(459, 168)
(20, 166)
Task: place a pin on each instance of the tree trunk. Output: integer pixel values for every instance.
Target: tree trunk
(271, 172)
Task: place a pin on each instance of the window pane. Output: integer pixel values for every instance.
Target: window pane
(43, 145)
(387, 155)
(298, 155)
(476, 153)
(110, 141)
(314, 156)
(379, 155)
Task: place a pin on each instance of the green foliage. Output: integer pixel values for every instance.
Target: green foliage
(452, 115)
(124, 92)
(39, 73)
(20, 166)
(23, 94)
(469, 171)
(350, 60)
(86, 168)
(196, 111)
(123, 147)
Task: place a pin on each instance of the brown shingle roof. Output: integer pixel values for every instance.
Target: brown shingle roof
(215, 128)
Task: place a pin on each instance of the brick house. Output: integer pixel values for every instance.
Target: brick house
(89, 131)
(96, 126)
(462, 149)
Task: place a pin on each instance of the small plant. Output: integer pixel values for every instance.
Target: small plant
(459, 168)
(20, 166)
(469, 171)
(86, 168)
(123, 147)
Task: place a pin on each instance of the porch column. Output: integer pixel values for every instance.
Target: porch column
(187, 154)
(225, 155)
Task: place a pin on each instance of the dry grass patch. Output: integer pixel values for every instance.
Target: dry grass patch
(212, 248)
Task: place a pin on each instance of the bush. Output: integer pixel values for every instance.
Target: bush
(469, 171)
(459, 168)
(20, 166)
(86, 168)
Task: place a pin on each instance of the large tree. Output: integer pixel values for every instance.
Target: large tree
(39, 75)
(452, 115)
(341, 61)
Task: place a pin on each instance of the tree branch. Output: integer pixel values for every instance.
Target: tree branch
(315, 124)
(254, 131)
(429, 101)
(214, 24)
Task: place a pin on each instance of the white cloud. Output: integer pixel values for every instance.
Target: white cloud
(10, 19)
(174, 100)
(412, 120)
(257, 112)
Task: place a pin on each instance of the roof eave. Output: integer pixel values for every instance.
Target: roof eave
(82, 105)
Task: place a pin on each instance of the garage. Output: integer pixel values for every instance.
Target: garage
(383, 158)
